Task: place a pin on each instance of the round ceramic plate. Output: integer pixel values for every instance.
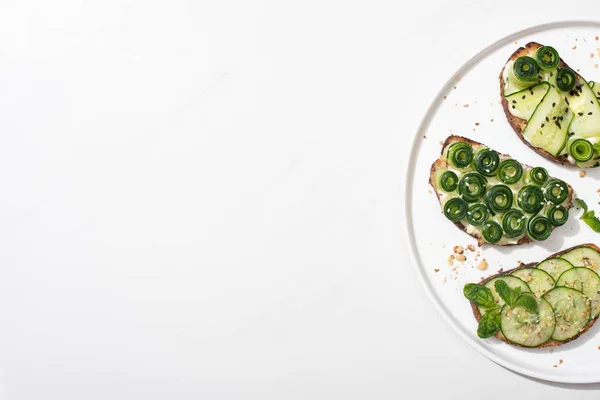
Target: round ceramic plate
(469, 106)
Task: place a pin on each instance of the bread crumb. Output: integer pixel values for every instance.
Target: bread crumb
(458, 249)
(457, 77)
(482, 266)
(560, 361)
(591, 55)
(582, 174)
(445, 97)
(516, 42)
(598, 347)
(596, 66)
(596, 37)
(466, 105)
(451, 259)
(492, 120)
(429, 191)
(460, 257)
(424, 136)
(551, 350)
(476, 123)
(578, 69)
(436, 270)
(554, 366)
(444, 280)
(441, 143)
(454, 87)
(471, 247)
(574, 47)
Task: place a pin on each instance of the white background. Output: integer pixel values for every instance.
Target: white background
(203, 200)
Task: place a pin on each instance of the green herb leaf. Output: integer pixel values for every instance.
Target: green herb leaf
(489, 324)
(507, 294)
(589, 217)
(480, 295)
(528, 301)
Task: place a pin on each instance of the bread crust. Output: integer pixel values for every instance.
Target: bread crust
(442, 163)
(518, 124)
(549, 343)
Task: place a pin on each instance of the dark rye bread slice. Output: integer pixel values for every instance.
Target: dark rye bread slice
(549, 343)
(442, 163)
(518, 124)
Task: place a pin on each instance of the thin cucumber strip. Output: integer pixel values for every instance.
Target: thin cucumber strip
(524, 103)
(586, 108)
(586, 281)
(554, 266)
(539, 281)
(548, 127)
(527, 328)
(571, 310)
(583, 257)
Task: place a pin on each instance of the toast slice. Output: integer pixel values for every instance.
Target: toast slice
(519, 124)
(443, 164)
(549, 343)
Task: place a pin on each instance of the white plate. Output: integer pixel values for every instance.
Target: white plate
(469, 106)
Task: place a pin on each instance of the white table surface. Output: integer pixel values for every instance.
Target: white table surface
(203, 199)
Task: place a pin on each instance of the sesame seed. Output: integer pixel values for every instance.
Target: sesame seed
(580, 114)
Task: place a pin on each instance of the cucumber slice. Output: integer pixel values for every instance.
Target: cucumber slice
(583, 257)
(571, 310)
(595, 86)
(586, 109)
(524, 103)
(527, 328)
(511, 83)
(539, 281)
(511, 281)
(548, 127)
(554, 266)
(586, 281)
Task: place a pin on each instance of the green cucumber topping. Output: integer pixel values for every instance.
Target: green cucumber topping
(526, 69)
(528, 328)
(448, 181)
(460, 154)
(486, 162)
(565, 79)
(530, 199)
(571, 310)
(556, 191)
(491, 232)
(455, 209)
(547, 58)
(514, 223)
(477, 214)
(554, 266)
(510, 171)
(581, 150)
(558, 215)
(472, 187)
(538, 175)
(539, 281)
(499, 198)
(539, 228)
(586, 281)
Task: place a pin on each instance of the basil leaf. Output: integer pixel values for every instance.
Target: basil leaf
(589, 217)
(479, 295)
(528, 301)
(489, 324)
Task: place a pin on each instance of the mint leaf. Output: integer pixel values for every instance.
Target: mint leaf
(480, 295)
(589, 217)
(507, 294)
(528, 301)
(489, 324)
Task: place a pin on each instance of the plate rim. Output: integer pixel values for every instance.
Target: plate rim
(409, 177)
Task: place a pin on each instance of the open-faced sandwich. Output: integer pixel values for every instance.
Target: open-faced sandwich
(540, 304)
(551, 107)
(494, 198)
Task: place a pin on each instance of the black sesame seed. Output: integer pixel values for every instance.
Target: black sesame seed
(513, 106)
(550, 73)
(523, 97)
(514, 102)
(580, 114)
(553, 104)
(554, 117)
(547, 120)
(543, 125)
(567, 109)
(576, 94)
(567, 101)
(590, 113)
